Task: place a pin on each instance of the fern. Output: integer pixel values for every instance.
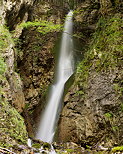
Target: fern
(43, 27)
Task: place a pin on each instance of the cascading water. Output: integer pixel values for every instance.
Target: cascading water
(64, 70)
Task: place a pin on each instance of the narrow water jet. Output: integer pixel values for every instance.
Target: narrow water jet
(64, 69)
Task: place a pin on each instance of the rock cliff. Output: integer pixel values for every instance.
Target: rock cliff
(92, 113)
(93, 108)
(27, 63)
(12, 102)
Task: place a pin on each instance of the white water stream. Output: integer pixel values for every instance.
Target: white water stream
(64, 70)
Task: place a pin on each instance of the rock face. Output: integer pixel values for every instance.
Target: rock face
(94, 116)
(16, 12)
(15, 85)
(11, 95)
(93, 108)
(36, 66)
(92, 113)
(36, 62)
(12, 99)
(11, 13)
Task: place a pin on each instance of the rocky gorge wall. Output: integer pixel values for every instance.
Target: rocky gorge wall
(27, 64)
(36, 64)
(12, 102)
(92, 112)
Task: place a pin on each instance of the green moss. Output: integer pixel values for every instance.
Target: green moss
(2, 66)
(101, 152)
(5, 38)
(12, 125)
(5, 41)
(115, 149)
(46, 146)
(107, 47)
(43, 27)
(36, 145)
(105, 51)
(108, 115)
(121, 107)
(70, 150)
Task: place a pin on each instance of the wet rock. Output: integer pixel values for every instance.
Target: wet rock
(92, 108)
(68, 147)
(46, 146)
(36, 64)
(86, 119)
(18, 100)
(12, 99)
(17, 12)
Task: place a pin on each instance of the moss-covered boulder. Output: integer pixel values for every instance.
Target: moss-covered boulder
(12, 127)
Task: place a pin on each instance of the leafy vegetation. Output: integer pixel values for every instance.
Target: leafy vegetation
(12, 125)
(116, 149)
(118, 88)
(5, 40)
(104, 55)
(107, 46)
(2, 66)
(43, 27)
(70, 150)
(113, 124)
(108, 115)
(105, 51)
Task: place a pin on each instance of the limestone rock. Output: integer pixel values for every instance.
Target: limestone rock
(86, 120)
(92, 112)
(13, 129)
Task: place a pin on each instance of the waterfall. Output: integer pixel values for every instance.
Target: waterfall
(64, 70)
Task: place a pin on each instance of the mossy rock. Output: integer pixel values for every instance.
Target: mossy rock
(46, 145)
(36, 145)
(117, 149)
(70, 150)
(13, 130)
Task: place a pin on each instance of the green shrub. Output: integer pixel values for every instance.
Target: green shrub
(108, 115)
(43, 27)
(12, 124)
(5, 41)
(2, 66)
(115, 149)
